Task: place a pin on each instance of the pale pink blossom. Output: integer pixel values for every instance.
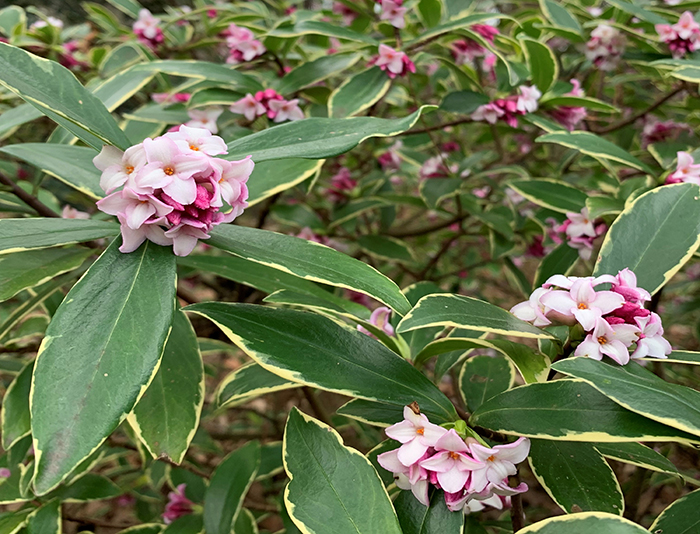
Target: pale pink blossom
(452, 463)
(580, 224)
(416, 434)
(204, 118)
(413, 477)
(583, 303)
(394, 13)
(380, 319)
(242, 44)
(147, 29)
(394, 62)
(286, 110)
(498, 463)
(488, 112)
(533, 310)
(686, 169)
(650, 342)
(249, 107)
(605, 47)
(178, 505)
(527, 101)
(437, 167)
(50, 21)
(118, 166)
(167, 98)
(626, 285)
(197, 140)
(69, 212)
(608, 340)
(137, 209)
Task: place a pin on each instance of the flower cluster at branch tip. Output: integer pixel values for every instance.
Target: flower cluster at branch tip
(508, 109)
(682, 37)
(465, 470)
(465, 51)
(348, 14)
(50, 21)
(379, 318)
(178, 505)
(341, 184)
(171, 98)
(570, 116)
(686, 170)
(393, 12)
(242, 44)
(656, 131)
(614, 320)
(393, 62)
(579, 231)
(605, 47)
(268, 102)
(147, 29)
(390, 160)
(173, 188)
(437, 167)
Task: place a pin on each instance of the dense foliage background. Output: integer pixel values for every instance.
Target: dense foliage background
(340, 358)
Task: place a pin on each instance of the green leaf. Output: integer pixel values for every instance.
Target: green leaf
(247, 383)
(317, 138)
(358, 93)
(15, 408)
(468, 313)
(576, 476)
(245, 523)
(551, 194)
(150, 528)
(314, 71)
(542, 63)
(371, 413)
(188, 524)
(15, 117)
(560, 16)
(12, 522)
(683, 356)
(315, 27)
(228, 487)
(167, 416)
(203, 70)
(266, 279)
(483, 377)
(679, 518)
(435, 190)
(10, 18)
(579, 101)
(18, 235)
(386, 248)
(654, 236)
(56, 92)
(272, 177)
(600, 205)
(270, 460)
(89, 487)
(72, 165)
(430, 12)
(569, 410)
(456, 24)
(307, 260)
(637, 454)
(464, 101)
(45, 520)
(639, 12)
(100, 352)
(416, 518)
(342, 360)
(640, 391)
(585, 523)
(560, 261)
(595, 146)
(313, 453)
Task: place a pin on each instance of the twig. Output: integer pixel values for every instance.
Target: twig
(517, 516)
(413, 232)
(29, 199)
(660, 101)
(436, 127)
(86, 521)
(319, 410)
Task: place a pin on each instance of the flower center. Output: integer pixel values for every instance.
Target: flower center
(453, 455)
(129, 169)
(602, 340)
(582, 306)
(420, 431)
(169, 171)
(491, 458)
(193, 147)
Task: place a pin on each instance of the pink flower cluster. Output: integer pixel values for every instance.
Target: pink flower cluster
(681, 37)
(349, 15)
(508, 109)
(605, 47)
(173, 188)
(579, 231)
(570, 116)
(268, 102)
(341, 184)
(437, 167)
(465, 51)
(171, 98)
(393, 62)
(147, 29)
(656, 131)
(614, 320)
(393, 12)
(390, 160)
(379, 318)
(242, 44)
(178, 505)
(464, 470)
(686, 170)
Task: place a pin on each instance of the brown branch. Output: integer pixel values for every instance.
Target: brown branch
(29, 199)
(659, 102)
(517, 516)
(87, 521)
(413, 232)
